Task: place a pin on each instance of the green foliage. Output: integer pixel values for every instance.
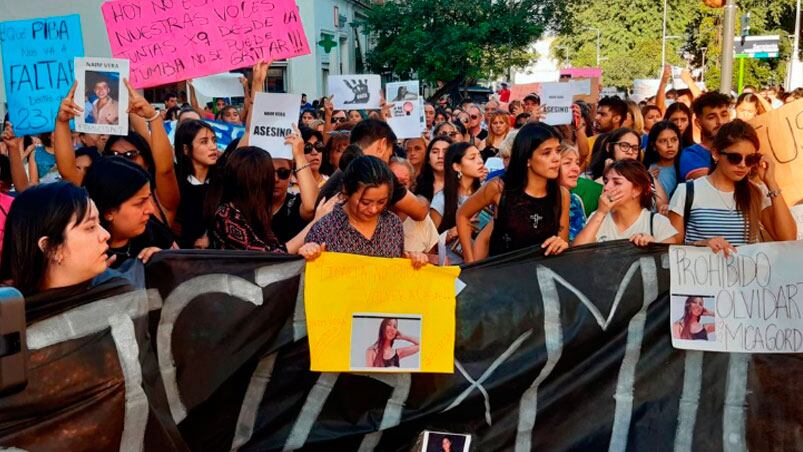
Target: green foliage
(448, 40)
(631, 37)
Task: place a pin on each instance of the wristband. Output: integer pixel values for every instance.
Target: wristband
(297, 170)
(155, 115)
(774, 194)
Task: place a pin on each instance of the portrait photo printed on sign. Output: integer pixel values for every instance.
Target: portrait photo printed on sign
(103, 95)
(355, 92)
(385, 342)
(693, 318)
(445, 442)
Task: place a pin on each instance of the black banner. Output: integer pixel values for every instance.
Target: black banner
(560, 353)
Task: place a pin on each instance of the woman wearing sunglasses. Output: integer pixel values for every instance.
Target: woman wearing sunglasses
(456, 131)
(727, 209)
(291, 212)
(314, 147)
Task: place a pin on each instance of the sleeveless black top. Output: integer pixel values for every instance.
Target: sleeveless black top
(392, 362)
(700, 335)
(523, 221)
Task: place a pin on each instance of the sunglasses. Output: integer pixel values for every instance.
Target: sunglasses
(735, 158)
(340, 119)
(475, 117)
(128, 155)
(309, 147)
(283, 173)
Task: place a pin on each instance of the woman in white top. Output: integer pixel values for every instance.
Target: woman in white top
(624, 209)
(726, 209)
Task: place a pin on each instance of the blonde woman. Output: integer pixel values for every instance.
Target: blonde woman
(498, 130)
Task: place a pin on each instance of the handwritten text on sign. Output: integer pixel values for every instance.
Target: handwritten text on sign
(38, 67)
(173, 40)
(750, 302)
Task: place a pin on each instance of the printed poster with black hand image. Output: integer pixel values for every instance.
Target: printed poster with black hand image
(355, 92)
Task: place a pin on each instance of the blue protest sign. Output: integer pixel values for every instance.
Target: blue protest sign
(224, 132)
(38, 68)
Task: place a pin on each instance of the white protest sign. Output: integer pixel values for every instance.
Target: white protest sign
(406, 110)
(272, 120)
(749, 302)
(103, 95)
(355, 92)
(643, 89)
(581, 86)
(557, 99)
(220, 85)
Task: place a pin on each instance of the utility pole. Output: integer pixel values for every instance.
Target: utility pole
(794, 78)
(663, 41)
(727, 47)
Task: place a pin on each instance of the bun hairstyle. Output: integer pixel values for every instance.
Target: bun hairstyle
(366, 172)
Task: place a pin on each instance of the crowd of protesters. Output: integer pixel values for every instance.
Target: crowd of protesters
(482, 180)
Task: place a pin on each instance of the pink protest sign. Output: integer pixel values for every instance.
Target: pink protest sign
(172, 40)
(582, 72)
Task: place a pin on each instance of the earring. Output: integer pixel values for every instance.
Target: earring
(459, 175)
(59, 260)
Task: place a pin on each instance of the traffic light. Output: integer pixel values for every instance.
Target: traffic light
(745, 25)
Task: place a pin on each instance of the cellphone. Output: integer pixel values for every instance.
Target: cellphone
(13, 346)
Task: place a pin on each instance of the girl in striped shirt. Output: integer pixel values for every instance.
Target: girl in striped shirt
(727, 209)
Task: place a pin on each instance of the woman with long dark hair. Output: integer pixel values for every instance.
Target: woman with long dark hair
(531, 207)
(619, 144)
(680, 114)
(662, 156)
(196, 156)
(121, 190)
(430, 180)
(726, 209)
(689, 327)
(53, 239)
(624, 211)
(382, 353)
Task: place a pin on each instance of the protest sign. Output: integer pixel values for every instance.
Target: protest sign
(781, 134)
(169, 41)
(272, 121)
(557, 99)
(643, 89)
(220, 85)
(749, 302)
(38, 69)
(105, 96)
(355, 92)
(436, 441)
(407, 111)
(224, 132)
(349, 299)
(519, 92)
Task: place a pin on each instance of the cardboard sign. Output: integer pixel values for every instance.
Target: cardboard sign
(104, 95)
(747, 303)
(781, 134)
(272, 121)
(220, 85)
(407, 110)
(351, 304)
(355, 92)
(519, 92)
(173, 40)
(38, 69)
(585, 89)
(557, 99)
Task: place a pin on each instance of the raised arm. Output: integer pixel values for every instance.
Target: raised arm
(306, 181)
(18, 175)
(777, 218)
(487, 194)
(685, 75)
(194, 99)
(328, 109)
(404, 352)
(246, 96)
(660, 96)
(62, 139)
(260, 74)
(413, 206)
(162, 151)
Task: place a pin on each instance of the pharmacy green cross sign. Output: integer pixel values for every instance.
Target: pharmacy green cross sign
(327, 42)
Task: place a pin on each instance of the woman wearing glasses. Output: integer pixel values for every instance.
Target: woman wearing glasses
(314, 147)
(291, 212)
(727, 209)
(454, 130)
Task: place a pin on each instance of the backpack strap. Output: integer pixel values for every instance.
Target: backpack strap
(652, 221)
(689, 201)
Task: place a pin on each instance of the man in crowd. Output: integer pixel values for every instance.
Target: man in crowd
(475, 123)
(711, 111)
(611, 113)
(490, 107)
(532, 103)
(376, 138)
(504, 93)
(171, 101)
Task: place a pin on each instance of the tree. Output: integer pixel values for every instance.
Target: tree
(454, 41)
(631, 37)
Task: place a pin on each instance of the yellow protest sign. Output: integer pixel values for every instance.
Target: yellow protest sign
(781, 134)
(368, 314)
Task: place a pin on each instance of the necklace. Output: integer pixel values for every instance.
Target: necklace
(722, 198)
(126, 253)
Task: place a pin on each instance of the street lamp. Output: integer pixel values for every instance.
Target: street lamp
(599, 35)
(566, 48)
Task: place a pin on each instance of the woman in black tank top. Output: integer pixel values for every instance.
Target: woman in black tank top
(532, 208)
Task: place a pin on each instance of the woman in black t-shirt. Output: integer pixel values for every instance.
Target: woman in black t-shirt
(196, 156)
(532, 208)
(121, 189)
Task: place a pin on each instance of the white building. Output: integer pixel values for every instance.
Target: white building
(329, 24)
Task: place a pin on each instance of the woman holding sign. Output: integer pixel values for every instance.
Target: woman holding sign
(725, 209)
(689, 327)
(382, 353)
